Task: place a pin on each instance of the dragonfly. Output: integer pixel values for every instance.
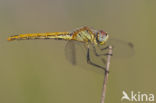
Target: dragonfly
(93, 40)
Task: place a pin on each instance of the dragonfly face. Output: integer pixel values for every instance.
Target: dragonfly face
(101, 37)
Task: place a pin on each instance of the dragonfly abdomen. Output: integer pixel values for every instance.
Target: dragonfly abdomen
(55, 35)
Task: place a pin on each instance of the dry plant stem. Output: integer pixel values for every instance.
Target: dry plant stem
(106, 75)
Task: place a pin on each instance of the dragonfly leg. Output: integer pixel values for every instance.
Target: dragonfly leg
(95, 52)
(91, 63)
(105, 48)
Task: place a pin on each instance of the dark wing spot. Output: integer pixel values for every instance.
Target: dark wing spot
(131, 45)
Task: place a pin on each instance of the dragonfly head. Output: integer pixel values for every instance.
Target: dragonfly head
(102, 37)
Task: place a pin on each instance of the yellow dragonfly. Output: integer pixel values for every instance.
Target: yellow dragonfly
(85, 35)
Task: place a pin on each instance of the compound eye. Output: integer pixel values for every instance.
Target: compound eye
(102, 36)
(103, 33)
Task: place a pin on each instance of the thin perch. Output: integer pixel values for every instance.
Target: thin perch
(106, 75)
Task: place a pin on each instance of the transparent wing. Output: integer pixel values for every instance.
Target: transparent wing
(76, 54)
(70, 52)
(73, 50)
(121, 48)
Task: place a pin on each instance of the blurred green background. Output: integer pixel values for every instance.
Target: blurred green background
(37, 71)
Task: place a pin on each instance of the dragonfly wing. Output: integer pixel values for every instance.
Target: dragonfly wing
(121, 48)
(70, 52)
(73, 51)
(76, 54)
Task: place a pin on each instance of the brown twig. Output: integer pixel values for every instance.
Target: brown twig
(106, 75)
